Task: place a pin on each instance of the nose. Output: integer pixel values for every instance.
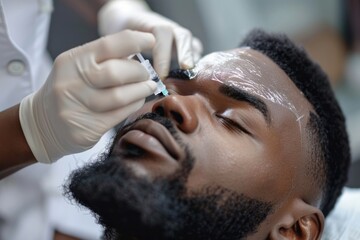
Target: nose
(180, 109)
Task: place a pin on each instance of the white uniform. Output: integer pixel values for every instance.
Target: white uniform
(343, 223)
(31, 201)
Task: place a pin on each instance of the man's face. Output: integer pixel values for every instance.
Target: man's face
(239, 126)
(243, 120)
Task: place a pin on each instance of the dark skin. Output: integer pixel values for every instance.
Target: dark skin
(61, 236)
(10, 126)
(249, 138)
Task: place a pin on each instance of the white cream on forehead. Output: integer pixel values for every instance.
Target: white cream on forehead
(237, 69)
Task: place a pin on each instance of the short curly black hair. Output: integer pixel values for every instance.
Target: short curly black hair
(330, 156)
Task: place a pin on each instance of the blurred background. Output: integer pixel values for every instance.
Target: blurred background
(328, 29)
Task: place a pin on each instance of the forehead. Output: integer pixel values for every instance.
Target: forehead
(253, 72)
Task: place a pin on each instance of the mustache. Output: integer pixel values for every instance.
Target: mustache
(166, 122)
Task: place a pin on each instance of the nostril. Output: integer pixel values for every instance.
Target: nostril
(160, 110)
(177, 117)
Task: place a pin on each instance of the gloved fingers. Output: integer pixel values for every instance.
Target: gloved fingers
(103, 100)
(162, 49)
(115, 72)
(111, 118)
(103, 121)
(183, 41)
(119, 45)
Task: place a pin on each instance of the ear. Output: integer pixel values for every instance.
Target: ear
(299, 220)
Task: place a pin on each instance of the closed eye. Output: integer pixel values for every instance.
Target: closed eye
(232, 125)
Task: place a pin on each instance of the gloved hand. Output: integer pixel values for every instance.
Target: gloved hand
(90, 89)
(118, 15)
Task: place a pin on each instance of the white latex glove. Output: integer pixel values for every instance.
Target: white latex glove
(90, 89)
(118, 15)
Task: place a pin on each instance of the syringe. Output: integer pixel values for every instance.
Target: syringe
(161, 88)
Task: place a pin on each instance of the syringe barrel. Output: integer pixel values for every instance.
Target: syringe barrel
(150, 70)
(161, 88)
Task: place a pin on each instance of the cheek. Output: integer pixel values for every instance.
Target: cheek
(242, 165)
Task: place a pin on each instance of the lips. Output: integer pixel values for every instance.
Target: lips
(151, 138)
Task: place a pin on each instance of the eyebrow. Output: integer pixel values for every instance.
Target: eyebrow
(179, 74)
(241, 95)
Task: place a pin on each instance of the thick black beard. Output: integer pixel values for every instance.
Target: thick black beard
(131, 207)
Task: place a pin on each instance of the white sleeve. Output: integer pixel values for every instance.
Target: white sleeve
(343, 222)
(72, 220)
(65, 216)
